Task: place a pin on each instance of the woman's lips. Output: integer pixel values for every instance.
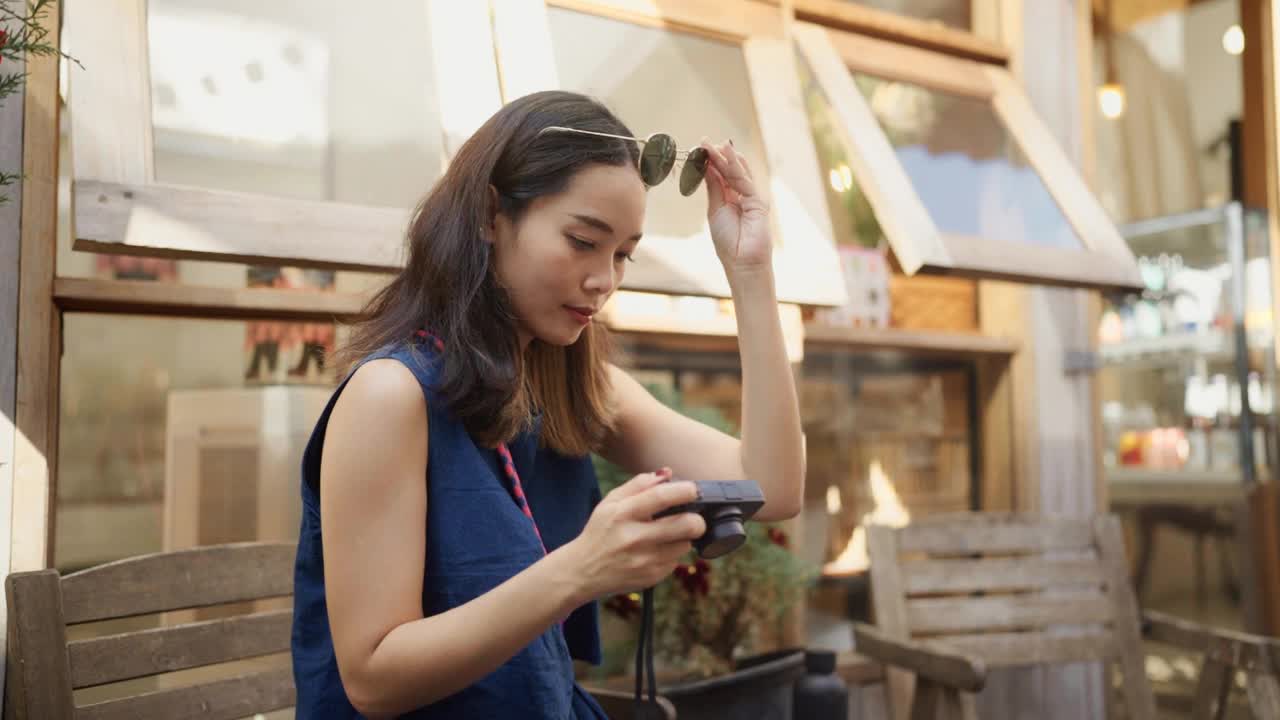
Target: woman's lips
(582, 315)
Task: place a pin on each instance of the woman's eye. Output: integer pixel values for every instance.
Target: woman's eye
(581, 244)
(624, 256)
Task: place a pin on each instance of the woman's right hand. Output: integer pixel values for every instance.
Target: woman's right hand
(623, 548)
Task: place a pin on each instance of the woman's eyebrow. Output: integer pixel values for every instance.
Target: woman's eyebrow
(598, 224)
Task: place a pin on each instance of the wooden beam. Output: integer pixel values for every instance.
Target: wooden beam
(1063, 421)
(731, 21)
(953, 669)
(154, 298)
(466, 70)
(1124, 15)
(997, 431)
(1088, 170)
(199, 224)
(1268, 556)
(900, 29)
(522, 40)
(808, 267)
(39, 322)
(1254, 121)
(931, 69)
(947, 344)
(1027, 263)
(10, 242)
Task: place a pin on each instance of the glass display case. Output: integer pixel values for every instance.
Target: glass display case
(1187, 380)
(1188, 371)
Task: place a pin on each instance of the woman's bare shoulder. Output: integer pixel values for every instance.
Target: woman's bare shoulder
(381, 412)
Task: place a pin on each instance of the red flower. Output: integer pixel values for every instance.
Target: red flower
(778, 537)
(624, 606)
(3, 39)
(695, 577)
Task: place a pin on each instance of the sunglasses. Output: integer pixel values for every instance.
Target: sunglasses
(658, 154)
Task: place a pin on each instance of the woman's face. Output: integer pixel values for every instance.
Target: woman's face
(568, 253)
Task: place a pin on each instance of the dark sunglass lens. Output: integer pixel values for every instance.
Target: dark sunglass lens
(695, 168)
(657, 158)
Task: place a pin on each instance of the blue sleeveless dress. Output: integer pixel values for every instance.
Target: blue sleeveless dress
(477, 538)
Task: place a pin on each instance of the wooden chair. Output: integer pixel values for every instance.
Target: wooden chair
(1223, 654)
(45, 667)
(956, 595)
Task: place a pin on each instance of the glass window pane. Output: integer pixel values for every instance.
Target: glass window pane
(965, 166)
(108, 266)
(852, 218)
(956, 14)
(289, 98)
(880, 294)
(661, 81)
(177, 432)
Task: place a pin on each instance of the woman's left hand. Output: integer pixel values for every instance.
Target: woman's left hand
(738, 215)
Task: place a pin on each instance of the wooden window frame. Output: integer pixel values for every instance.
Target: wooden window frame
(1104, 261)
(806, 263)
(983, 42)
(118, 207)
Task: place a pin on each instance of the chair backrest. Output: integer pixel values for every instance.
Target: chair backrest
(45, 667)
(1013, 590)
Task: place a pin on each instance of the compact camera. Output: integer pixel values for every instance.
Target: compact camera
(724, 504)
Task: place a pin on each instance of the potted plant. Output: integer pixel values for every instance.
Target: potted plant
(714, 620)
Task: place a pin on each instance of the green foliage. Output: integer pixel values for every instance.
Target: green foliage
(23, 35)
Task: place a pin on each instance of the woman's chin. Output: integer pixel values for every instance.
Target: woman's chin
(561, 336)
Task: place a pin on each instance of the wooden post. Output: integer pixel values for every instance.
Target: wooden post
(1053, 437)
(39, 321)
(10, 215)
(1087, 160)
(1254, 124)
(1267, 21)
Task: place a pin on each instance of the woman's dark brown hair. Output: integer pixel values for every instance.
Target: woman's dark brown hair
(448, 284)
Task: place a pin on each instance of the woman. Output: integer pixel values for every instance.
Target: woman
(480, 370)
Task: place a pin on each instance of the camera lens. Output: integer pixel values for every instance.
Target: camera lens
(724, 533)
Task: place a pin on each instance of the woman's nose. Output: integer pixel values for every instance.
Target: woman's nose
(601, 278)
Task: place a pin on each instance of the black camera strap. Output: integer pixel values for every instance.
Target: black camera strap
(644, 659)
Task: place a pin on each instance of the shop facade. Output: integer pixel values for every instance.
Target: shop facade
(944, 253)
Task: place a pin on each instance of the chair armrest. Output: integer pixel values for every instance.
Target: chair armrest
(1240, 650)
(947, 667)
(621, 705)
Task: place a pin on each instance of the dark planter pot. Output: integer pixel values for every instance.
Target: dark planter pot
(759, 688)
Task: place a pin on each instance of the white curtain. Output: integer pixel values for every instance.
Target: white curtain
(1148, 159)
